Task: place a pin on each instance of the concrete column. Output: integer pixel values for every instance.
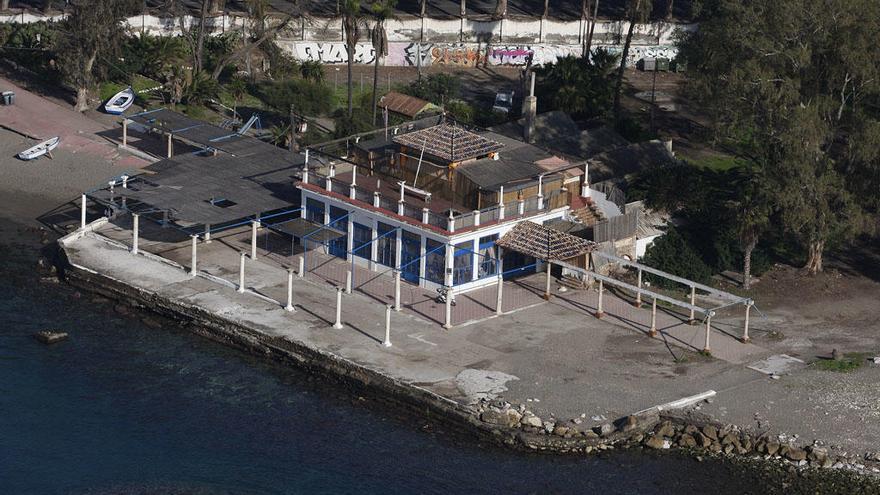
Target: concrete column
(302, 267)
(241, 272)
(540, 192)
(521, 206)
(499, 296)
(639, 293)
(193, 266)
(348, 282)
(207, 233)
(338, 324)
(398, 248)
(450, 222)
(352, 191)
(425, 215)
(448, 320)
(693, 302)
(653, 331)
(396, 290)
(745, 337)
(547, 286)
(289, 306)
(599, 312)
(387, 342)
(124, 183)
(135, 221)
(706, 347)
(449, 263)
(83, 212)
(124, 133)
(423, 248)
(349, 240)
(254, 225)
(476, 218)
(475, 259)
(376, 199)
(501, 203)
(374, 247)
(170, 146)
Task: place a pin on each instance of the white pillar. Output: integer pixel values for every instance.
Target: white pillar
(706, 347)
(448, 320)
(745, 337)
(193, 266)
(476, 218)
(124, 133)
(501, 203)
(348, 282)
(254, 225)
(396, 290)
(305, 170)
(398, 248)
(540, 192)
(423, 248)
(599, 312)
(547, 286)
(289, 306)
(639, 292)
(448, 262)
(83, 212)
(352, 191)
(499, 296)
(653, 331)
(338, 323)
(475, 259)
(693, 301)
(450, 222)
(135, 220)
(376, 201)
(387, 342)
(207, 233)
(521, 206)
(302, 267)
(349, 239)
(241, 272)
(169, 146)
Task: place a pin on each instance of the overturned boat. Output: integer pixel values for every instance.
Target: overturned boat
(40, 149)
(120, 102)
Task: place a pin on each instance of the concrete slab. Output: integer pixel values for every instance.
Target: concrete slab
(778, 364)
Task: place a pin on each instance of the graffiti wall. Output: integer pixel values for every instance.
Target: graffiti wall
(459, 54)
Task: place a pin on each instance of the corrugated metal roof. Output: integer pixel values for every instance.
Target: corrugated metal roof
(406, 105)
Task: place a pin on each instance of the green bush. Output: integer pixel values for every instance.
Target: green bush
(672, 254)
(460, 111)
(358, 122)
(307, 97)
(436, 88)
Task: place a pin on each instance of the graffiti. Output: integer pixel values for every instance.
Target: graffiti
(515, 56)
(457, 55)
(333, 53)
(637, 53)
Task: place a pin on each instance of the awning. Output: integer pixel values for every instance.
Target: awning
(300, 227)
(544, 243)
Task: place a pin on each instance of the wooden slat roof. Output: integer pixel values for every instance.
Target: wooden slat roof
(407, 105)
(449, 141)
(544, 243)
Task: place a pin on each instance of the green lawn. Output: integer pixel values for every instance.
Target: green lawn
(851, 361)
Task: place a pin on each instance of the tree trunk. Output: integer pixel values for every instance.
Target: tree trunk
(4, 4)
(618, 87)
(217, 6)
(375, 83)
(747, 264)
(82, 99)
(350, 66)
(669, 5)
(82, 90)
(200, 41)
(814, 259)
(422, 7)
(463, 10)
(546, 8)
(500, 9)
(593, 17)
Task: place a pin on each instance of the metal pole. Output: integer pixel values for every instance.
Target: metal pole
(396, 290)
(706, 348)
(448, 324)
(547, 286)
(387, 342)
(193, 270)
(207, 233)
(254, 225)
(338, 323)
(693, 301)
(135, 219)
(745, 337)
(599, 312)
(302, 267)
(653, 330)
(639, 293)
(289, 306)
(83, 212)
(348, 282)
(241, 272)
(124, 133)
(499, 295)
(169, 146)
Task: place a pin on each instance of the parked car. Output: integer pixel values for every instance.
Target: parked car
(503, 102)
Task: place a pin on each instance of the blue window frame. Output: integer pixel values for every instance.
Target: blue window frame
(463, 263)
(315, 211)
(409, 256)
(361, 242)
(339, 221)
(435, 265)
(385, 244)
(487, 265)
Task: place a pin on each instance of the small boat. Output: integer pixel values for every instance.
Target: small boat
(40, 149)
(120, 101)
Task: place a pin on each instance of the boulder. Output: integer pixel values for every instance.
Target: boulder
(494, 416)
(529, 419)
(657, 442)
(549, 426)
(561, 431)
(771, 448)
(50, 336)
(691, 430)
(604, 429)
(795, 454)
(687, 441)
(628, 424)
(665, 429)
(711, 432)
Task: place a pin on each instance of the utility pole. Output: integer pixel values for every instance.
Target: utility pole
(292, 143)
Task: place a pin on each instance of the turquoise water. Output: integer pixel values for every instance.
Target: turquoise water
(122, 407)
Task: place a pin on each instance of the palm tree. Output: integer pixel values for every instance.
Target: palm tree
(353, 23)
(312, 70)
(381, 10)
(500, 9)
(637, 11)
(237, 89)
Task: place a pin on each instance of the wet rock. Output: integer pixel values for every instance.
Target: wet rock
(50, 336)
(529, 419)
(495, 416)
(561, 431)
(628, 424)
(549, 426)
(817, 454)
(665, 429)
(691, 430)
(590, 434)
(604, 430)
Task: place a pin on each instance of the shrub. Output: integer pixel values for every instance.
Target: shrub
(436, 88)
(307, 97)
(460, 111)
(672, 254)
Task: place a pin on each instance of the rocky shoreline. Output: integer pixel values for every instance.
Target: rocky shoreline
(505, 424)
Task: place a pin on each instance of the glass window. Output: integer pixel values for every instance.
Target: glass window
(435, 252)
(488, 256)
(361, 241)
(463, 264)
(385, 244)
(315, 211)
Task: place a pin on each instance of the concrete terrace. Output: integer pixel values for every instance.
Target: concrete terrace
(554, 355)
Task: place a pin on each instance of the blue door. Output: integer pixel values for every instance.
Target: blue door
(409, 256)
(339, 221)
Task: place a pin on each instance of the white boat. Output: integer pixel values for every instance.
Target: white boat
(40, 149)
(120, 101)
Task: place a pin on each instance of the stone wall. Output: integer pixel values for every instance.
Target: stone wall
(416, 41)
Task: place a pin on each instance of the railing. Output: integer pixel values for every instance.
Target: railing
(511, 209)
(361, 194)
(437, 220)
(412, 212)
(464, 221)
(388, 204)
